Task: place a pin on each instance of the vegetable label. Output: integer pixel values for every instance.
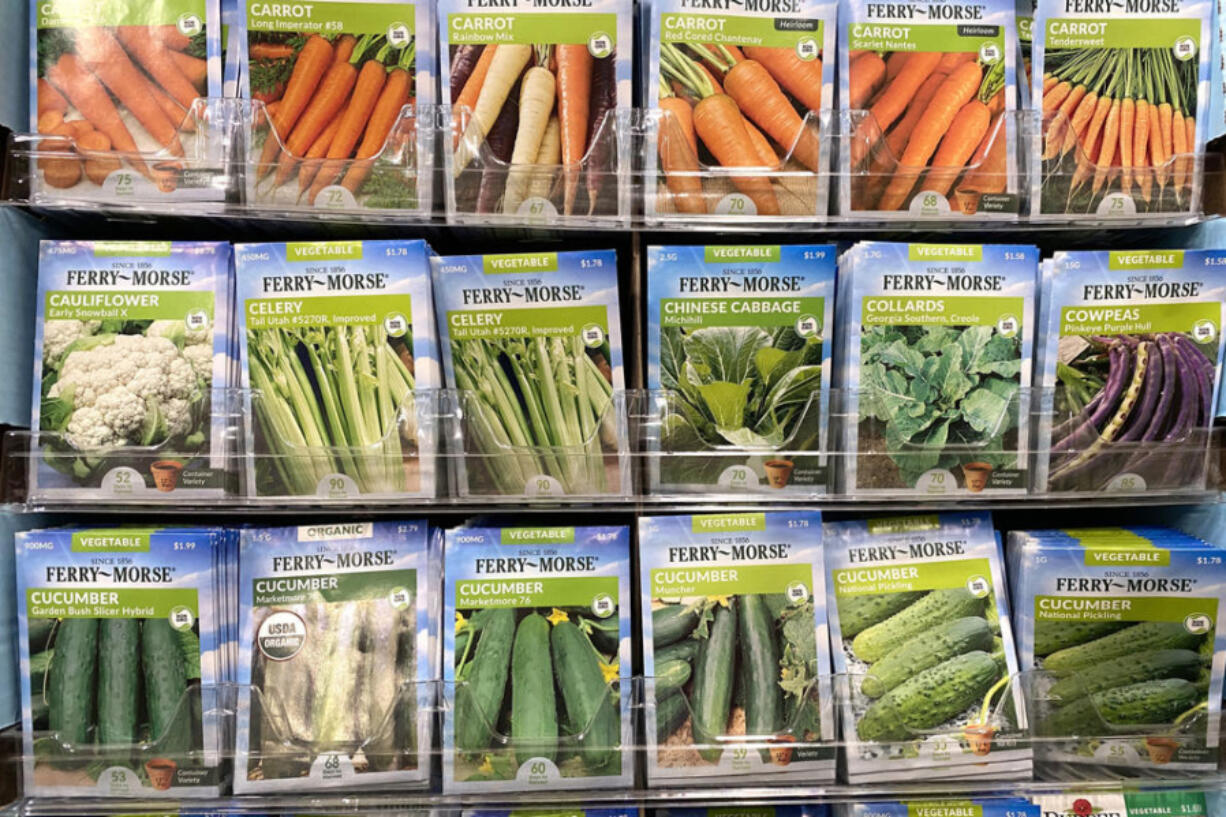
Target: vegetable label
(739, 357)
(923, 649)
(337, 339)
(535, 92)
(736, 599)
(936, 360)
(1124, 98)
(1130, 362)
(335, 655)
(536, 661)
(942, 808)
(121, 634)
(132, 347)
(1121, 625)
(777, 73)
(119, 82)
(936, 96)
(543, 329)
(333, 85)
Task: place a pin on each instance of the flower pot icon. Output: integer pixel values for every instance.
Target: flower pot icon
(1161, 750)
(161, 771)
(979, 736)
(976, 475)
(778, 472)
(166, 474)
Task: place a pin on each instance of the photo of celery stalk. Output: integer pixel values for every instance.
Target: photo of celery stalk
(537, 415)
(333, 402)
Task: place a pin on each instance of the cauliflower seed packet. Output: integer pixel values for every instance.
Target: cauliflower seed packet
(131, 360)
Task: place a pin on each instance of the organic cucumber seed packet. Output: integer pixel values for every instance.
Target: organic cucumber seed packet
(789, 55)
(1130, 366)
(532, 344)
(935, 360)
(1122, 625)
(536, 659)
(132, 350)
(738, 360)
(923, 649)
(336, 658)
(735, 601)
(339, 362)
(367, 67)
(121, 633)
(1145, 66)
(908, 159)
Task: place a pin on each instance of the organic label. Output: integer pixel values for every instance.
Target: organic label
(547, 322)
(941, 310)
(928, 38)
(768, 32)
(698, 312)
(1197, 614)
(571, 28)
(730, 579)
(338, 310)
(93, 305)
(973, 574)
(534, 591)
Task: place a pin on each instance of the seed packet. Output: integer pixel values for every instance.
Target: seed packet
(339, 354)
(1005, 807)
(125, 77)
(131, 347)
(802, 810)
(119, 633)
(920, 634)
(1025, 40)
(779, 121)
(532, 343)
(523, 607)
(738, 360)
(1145, 63)
(1130, 363)
(587, 812)
(336, 657)
(1123, 625)
(935, 358)
(329, 84)
(539, 142)
(1129, 804)
(907, 158)
(735, 600)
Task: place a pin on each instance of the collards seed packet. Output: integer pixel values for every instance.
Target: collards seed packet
(536, 659)
(532, 346)
(337, 657)
(1130, 367)
(732, 601)
(339, 362)
(335, 89)
(935, 364)
(929, 93)
(738, 363)
(122, 638)
(923, 650)
(1122, 624)
(769, 108)
(132, 361)
(1123, 93)
(119, 89)
(539, 141)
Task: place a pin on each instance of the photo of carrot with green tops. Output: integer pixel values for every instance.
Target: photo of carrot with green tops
(532, 128)
(337, 99)
(721, 106)
(1119, 127)
(117, 97)
(931, 119)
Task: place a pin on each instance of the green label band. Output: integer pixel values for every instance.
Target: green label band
(1132, 32)
(185, 14)
(270, 591)
(801, 35)
(1194, 612)
(1135, 319)
(905, 578)
(338, 310)
(331, 18)
(512, 28)
(910, 37)
(548, 322)
(534, 591)
(696, 312)
(109, 602)
(730, 580)
(940, 310)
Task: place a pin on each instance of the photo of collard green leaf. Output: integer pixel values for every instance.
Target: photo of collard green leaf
(741, 387)
(936, 397)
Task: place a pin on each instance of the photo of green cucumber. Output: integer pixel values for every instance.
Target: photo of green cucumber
(729, 667)
(921, 663)
(536, 684)
(114, 692)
